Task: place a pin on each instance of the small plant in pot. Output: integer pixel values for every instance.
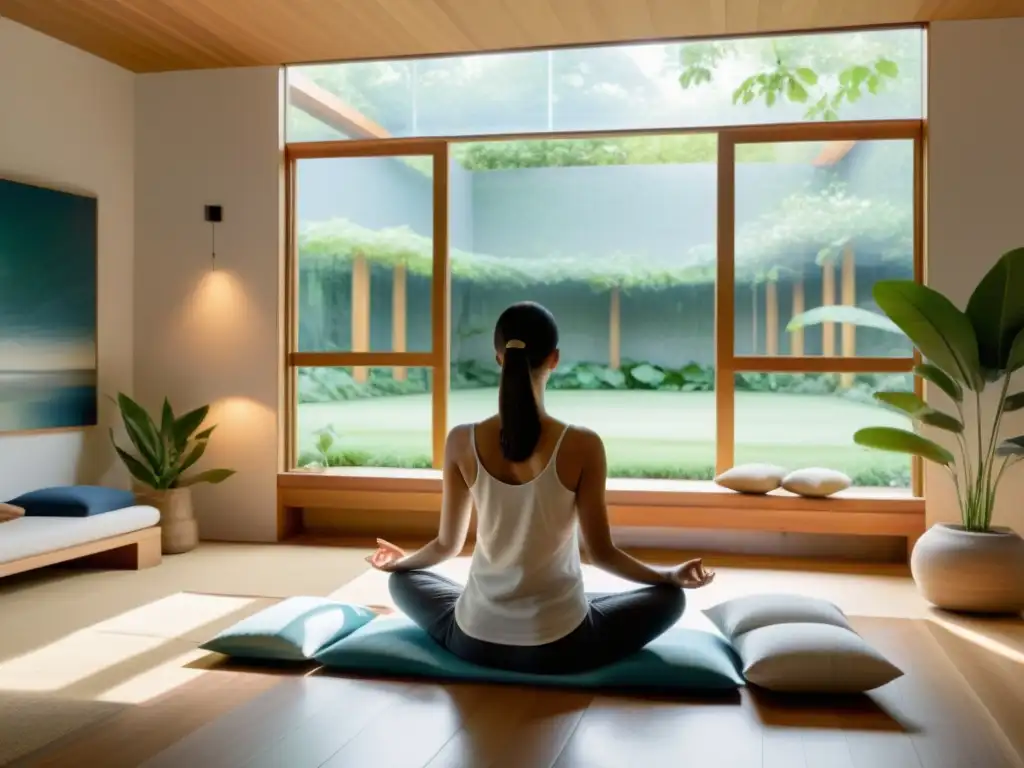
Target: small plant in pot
(164, 454)
(972, 566)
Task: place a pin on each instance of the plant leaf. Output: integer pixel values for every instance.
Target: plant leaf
(142, 432)
(1013, 402)
(942, 332)
(887, 68)
(809, 76)
(1011, 447)
(795, 91)
(139, 471)
(918, 409)
(205, 434)
(191, 457)
(187, 424)
(839, 313)
(902, 441)
(996, 309)
(939, 378)
(167, 422)
(1016, 358)
(209, 476)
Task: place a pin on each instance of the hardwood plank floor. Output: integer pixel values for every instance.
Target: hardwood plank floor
(930, 718)
(959, 705)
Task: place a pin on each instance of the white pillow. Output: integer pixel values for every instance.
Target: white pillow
(816, 482)
(744, 614)
(812, 658)
(752, 478)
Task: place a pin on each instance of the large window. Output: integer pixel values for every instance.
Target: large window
(713, 289)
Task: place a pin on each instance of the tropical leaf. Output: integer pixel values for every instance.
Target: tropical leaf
(167, 422)
(942, 332)
(919, 410)
(1016, 358)
(209, 476)
(192, 457)
(205, 434)
(1013, 402)
(142, 432)
(187, 424)
(996, 310)
(1011, 447)
(902, 441)
(940, 379)
(839, 313)
(139, 471)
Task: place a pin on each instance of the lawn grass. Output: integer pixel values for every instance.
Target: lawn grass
(646, 433)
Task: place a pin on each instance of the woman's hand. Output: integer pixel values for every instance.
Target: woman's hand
(386, 557)
(691, 575)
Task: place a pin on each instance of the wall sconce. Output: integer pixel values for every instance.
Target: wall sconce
(215, 215)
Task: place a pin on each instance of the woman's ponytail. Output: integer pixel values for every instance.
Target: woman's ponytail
(517, 404)
(525, 338)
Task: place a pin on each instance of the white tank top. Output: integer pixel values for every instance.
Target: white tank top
(525, 583)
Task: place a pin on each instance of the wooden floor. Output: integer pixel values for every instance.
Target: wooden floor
(960, 704)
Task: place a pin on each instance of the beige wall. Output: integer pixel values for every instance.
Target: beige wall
(203, 336)
(975, 192)
(67, 121)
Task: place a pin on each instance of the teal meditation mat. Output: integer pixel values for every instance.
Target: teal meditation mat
(679, 660)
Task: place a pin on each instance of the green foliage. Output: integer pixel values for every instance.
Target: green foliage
(166, 452)
(964, 349)
(823, 72)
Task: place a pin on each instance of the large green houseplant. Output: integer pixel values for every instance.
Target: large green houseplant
(971, 566)
(163, 455)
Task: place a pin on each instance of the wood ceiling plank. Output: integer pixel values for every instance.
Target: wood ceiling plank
(158, 35)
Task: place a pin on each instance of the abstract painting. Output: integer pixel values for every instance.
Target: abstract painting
(48, 277)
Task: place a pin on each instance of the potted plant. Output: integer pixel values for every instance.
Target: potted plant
(970, 566)
(164, 454)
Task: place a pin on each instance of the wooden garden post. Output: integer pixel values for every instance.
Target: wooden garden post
(796, 338)
(828, 298)
(771, 317)
(360, 312)
(614, 330)
(849, 296)
(398, 316)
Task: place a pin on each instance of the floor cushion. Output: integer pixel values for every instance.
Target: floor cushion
(73, 501)
(812, 658)
(679, 660)
(292, 630)
(816, 482)
(743, 614)
(752, 478)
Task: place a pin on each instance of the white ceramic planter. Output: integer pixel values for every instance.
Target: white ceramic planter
(961, 570)
(179, 531)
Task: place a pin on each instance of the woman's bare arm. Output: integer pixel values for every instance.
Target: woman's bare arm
(593, 516)
(456, 511)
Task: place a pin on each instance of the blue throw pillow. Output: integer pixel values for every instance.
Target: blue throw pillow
(73, 501)
(292, 630)
(679, 660)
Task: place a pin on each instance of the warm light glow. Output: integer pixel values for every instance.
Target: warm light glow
(982, 640)
(218, 308)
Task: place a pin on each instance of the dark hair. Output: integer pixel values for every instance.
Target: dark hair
(525, 336)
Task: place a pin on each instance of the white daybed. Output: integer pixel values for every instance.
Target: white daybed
(123, 538)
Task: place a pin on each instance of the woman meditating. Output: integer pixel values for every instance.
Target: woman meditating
(532, 479)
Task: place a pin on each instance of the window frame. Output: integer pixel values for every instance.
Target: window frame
(727, 362)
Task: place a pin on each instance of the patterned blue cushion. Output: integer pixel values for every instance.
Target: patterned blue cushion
(679, 660)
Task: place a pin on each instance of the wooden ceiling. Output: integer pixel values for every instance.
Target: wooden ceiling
(161, 35)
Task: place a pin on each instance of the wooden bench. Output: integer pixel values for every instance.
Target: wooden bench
(129, 551)
(408, 503)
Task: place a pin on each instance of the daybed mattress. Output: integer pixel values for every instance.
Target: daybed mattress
(28, 536)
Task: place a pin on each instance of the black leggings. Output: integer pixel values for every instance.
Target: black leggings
(616, 626)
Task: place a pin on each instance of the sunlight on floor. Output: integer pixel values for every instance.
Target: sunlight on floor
(980, 639)
(120, 642)
(157, 681)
